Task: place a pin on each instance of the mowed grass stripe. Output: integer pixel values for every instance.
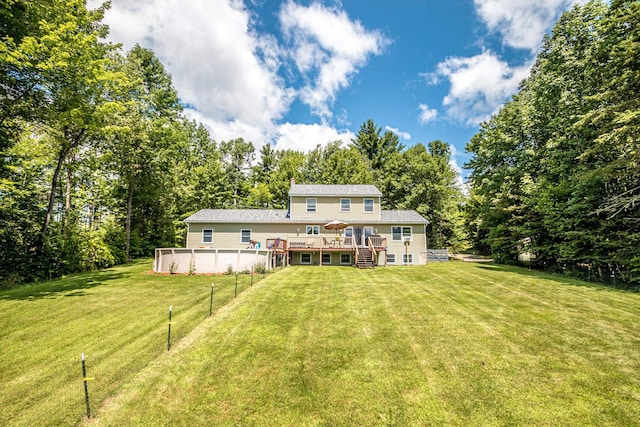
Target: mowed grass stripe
(118, 318)
(454, 344)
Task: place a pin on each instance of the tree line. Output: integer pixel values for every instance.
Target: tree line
(99, 165)
(556, 172)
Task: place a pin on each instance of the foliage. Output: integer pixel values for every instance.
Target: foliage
(558, 165)
(98, 164)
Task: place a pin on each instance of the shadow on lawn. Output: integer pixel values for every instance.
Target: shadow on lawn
(72, 286)
(557, 278)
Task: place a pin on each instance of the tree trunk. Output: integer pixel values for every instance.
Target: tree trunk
(128, 219)
(64, 151)
(67, 203)
(68, 145)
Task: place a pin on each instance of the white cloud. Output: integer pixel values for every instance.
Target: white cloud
(427, 114)
(303, 137)
(328, 48)
(522, 23)
(479, 85)
(286, 136)
(217, 62)
(404, 135)
(226, 130)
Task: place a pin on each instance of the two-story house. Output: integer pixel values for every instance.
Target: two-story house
(324, 225)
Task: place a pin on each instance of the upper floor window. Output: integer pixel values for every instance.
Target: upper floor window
(246, 236)
(207, 236)
(345, 205)
(368, 205)
(311, 205)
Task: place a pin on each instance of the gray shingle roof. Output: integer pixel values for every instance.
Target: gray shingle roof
(239, 215)
(333, 190)
(246, 216)
(402, 217)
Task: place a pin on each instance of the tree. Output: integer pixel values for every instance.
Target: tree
(237, 156)
(289, 165)
(333, 164)
(557, 166)
(375, 147)
(144, 136)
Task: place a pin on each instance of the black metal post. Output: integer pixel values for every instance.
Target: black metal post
(169, 333)
(86, 388)
(211, 302)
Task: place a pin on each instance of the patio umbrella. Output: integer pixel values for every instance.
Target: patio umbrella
(336, 224)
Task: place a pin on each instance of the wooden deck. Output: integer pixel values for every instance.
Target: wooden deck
(363, 256)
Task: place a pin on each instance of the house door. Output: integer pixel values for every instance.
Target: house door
(361, 234)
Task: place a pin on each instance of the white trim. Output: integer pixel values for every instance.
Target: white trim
(310, 258)
(347, 254)
(364, 206)
(313, 228)
(394, 258)
(402, 235)
(407, 258)
(342, 209)
(202, 235)
(250, 235)
(315, 204)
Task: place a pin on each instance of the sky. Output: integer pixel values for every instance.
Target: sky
(295, 74)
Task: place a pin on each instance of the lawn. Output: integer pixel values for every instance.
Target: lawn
(443, 344)
(118, 318)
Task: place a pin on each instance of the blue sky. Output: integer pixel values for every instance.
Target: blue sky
(296, 74)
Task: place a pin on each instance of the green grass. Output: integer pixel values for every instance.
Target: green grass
(117, 317)
(444, 344)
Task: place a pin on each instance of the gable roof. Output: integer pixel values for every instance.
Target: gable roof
(265, 216)
(334, 190)
(239, 215)
(402, 217)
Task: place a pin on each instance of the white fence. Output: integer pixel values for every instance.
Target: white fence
(209, 260)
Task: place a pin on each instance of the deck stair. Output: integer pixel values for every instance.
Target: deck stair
(365, 258)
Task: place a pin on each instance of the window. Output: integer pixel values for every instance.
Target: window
(345, 258)
(348, 232)
(207, 236)
(246, 236)
(345, 205)
(407, 258)
(326, 258)
(398, 233)
(391, 258)
(368, 205)
(311, 205)
(313, 229)
(305, 258)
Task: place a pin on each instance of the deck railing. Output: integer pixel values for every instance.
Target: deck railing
(378, 241)
(277, 245)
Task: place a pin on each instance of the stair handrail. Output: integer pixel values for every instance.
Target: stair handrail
(372, 248)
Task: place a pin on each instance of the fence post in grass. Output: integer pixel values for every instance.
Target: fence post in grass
(236, 294)
(86, 388)
(211, 301)
(169, 333)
